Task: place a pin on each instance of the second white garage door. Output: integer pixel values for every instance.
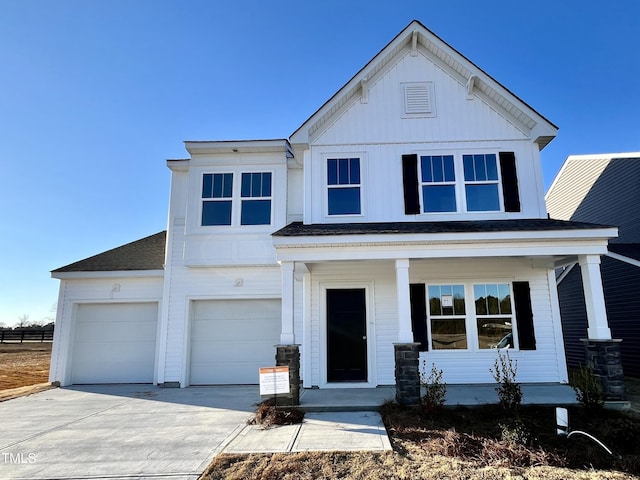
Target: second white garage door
(232, 339)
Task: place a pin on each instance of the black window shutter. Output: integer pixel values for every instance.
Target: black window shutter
(510, 191)
(524, 315)
(410, 183)
(417, 295)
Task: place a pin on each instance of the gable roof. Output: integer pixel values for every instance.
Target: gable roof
(414, 36)
(144, 254)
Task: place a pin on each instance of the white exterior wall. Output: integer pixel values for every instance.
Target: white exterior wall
(545, 364)
(379, 133)
(107, 288)
(209, 263)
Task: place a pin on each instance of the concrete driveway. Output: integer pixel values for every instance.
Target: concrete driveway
(121, 431)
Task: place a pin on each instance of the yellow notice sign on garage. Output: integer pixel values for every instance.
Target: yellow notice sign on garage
(274, 380)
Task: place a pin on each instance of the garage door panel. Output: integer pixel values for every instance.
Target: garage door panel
(231, 339)
(114, 343)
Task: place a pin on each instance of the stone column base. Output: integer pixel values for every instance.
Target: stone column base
(407, 357)
(603, 356)
(289, 356)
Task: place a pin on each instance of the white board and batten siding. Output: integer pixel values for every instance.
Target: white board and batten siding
(379, 133)
(545, 364)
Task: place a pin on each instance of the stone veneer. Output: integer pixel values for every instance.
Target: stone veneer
(407, 358)
(603, 356)
(289, 355)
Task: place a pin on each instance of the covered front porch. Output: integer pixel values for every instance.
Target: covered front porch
(381, 264)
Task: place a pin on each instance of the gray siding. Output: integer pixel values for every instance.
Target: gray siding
(621, 283)
(574, 316)
(622, 295)
(613, 199)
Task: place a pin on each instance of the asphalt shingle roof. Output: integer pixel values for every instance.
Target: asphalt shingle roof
(298, 229)
(144, 254)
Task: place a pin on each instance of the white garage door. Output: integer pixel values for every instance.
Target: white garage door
(231, 339)
(114, 343)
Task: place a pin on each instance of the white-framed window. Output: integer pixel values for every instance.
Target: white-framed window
(494, 315)
(438, 179)
(344, 186)
(243, 198)
(256, 198)
(451, 183)
(470, 316)
(481, 182)
(217, 198)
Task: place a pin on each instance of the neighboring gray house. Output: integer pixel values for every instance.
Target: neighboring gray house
(603, 189)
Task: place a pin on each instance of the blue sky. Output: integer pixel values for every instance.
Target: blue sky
(96, 95)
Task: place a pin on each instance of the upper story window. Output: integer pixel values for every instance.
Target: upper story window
(217, 193)
(256, 199)
(438, 183)
(220, 202)
(460, 183)
(343, 186)
(481, 183)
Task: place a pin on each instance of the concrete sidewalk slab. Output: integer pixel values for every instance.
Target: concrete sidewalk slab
(319, 431)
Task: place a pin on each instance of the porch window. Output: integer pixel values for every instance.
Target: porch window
(343, 183)
(494, 315)
(438, 183)
(481, 182)
(447, 313)
(217, 193)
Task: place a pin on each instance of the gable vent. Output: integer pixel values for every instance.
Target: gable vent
(418, 99)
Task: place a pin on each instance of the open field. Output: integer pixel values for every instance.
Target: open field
(23, 364)
(462, 444)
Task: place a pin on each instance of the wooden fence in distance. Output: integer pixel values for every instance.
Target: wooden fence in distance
(30, 335)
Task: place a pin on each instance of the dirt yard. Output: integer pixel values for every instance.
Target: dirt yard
(23, 364)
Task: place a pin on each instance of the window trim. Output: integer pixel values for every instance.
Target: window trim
(460, 182)
(236, 199)
(327, 186)
(470, 317)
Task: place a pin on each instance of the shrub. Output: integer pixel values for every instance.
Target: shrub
(588, 388)
(435, 388)
(504, 373)
(515, 431)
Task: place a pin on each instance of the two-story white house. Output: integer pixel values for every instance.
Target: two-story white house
(406, 213)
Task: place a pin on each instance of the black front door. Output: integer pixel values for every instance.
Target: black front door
(346, 335)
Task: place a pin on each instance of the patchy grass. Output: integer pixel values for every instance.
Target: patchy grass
(24, 364)
(462, 444)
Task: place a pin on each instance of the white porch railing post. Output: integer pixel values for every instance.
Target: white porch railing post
(405, 332)
(286, 331)
(594, 297)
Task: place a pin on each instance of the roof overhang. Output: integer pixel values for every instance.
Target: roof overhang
(108, 274)
(239, 146)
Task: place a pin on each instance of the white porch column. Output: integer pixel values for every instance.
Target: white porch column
(286, 331)
(405, 333)
(594, 297)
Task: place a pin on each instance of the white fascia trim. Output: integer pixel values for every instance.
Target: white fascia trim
(622, 258)
(109, 274)
(368, 251)
(598, 235)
